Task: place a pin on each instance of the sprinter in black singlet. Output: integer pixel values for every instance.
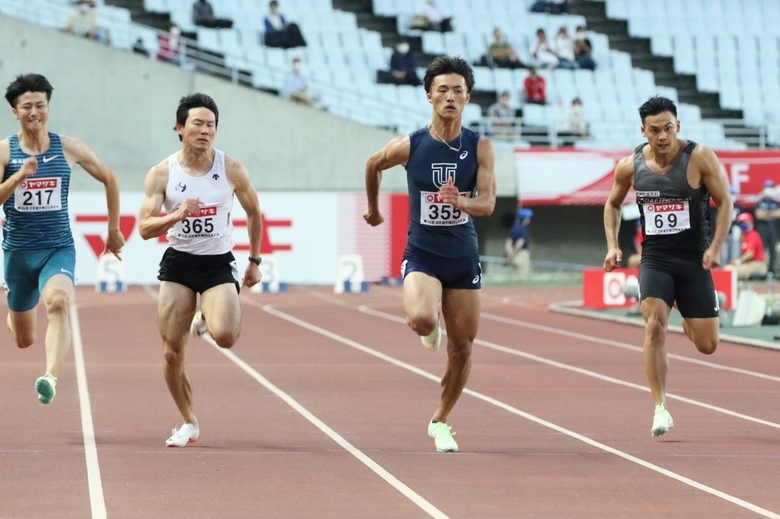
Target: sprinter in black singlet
(451, 179)
(674, 180)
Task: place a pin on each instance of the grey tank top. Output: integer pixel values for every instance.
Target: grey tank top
(674, 215)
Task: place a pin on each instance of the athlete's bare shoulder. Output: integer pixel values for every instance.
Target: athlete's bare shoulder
(232, 166)
(5, 153)
(624, 170)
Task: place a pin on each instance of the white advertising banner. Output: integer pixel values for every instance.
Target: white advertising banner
(304, 231)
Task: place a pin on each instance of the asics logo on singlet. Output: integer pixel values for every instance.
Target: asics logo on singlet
(49, 159)
(464, 155)
(181, 187)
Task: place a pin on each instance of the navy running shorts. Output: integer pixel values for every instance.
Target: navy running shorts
(459, 273)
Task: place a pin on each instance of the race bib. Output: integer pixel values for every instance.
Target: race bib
(434, 211)
(38, 194)
(667, 217)
(202, 224)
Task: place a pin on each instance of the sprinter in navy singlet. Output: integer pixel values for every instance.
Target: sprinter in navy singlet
(674, 180)
(450, 177)
(39, 256)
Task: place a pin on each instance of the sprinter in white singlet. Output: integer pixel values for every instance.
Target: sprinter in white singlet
(195, 186)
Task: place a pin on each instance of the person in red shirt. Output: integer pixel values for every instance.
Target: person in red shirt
(535, 87)
(752, 259)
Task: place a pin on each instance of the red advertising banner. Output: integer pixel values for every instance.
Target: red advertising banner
(584, 177)
(601, 289)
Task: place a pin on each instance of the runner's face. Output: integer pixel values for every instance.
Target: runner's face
(448, 95)
(199, 129)
(661, 132)
(32, 111)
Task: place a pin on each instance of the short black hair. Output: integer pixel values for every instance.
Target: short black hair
(442, 65)
(196, 100)
(656, 105)
(27, 83)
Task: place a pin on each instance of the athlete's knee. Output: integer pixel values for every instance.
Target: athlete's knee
(24, 340)
(57, 302)
(706, 345)
(225, 339)
(421, 324)
(459, 352)
(173, 357)
(655, 327)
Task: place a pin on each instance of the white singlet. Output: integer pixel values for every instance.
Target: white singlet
(211, 230)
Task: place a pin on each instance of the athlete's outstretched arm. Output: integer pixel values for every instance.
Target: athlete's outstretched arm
(624, 177)
(150, 223)
(485, 201)
(79, 153)
(247, 197)
(715, 181)
(396, 153)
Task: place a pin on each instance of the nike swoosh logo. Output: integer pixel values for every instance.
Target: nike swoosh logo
(49, 159)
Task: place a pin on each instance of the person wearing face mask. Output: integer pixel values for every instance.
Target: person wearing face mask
(297, 85)
(752, 260)
(279, 32)
(403, 67)
(169, 45)
(767, 215)
(575, 125)
(82, 21)
(583, 49)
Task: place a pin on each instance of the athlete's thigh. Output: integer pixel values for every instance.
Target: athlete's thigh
(422, 293)
(58, 283)
(656, 282)
(461, 308)
(695, 293)
(220, 305)
(175, 309)
(703, 330)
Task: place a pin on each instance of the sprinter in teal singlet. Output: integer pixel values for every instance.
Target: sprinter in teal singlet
(38, 252)
(451, 180)
(674, 180)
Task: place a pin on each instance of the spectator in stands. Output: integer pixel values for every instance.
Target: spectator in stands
(280, 32)
(574, 124)
(767, 216)
(203, 15)
(296, 86)
(551, 6)
(583, 49)
(564, 46)
(82, 21)
(140, 48)
(431, 17)
(517, 248)
(534, 88)
(752, 260)
(502, 117)
(403, 67)
(544, 53)
(733, 244)
(501, 54)
(169, 45)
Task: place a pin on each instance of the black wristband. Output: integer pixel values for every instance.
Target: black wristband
(257, 261)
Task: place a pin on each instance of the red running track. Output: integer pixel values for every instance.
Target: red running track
(321, 410)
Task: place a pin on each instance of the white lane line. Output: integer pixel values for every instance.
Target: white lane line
(586, 372)
(673, 475)
(632, 347)
(96, 499)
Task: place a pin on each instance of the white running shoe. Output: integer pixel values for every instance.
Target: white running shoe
(433, 340)
(662, 421)
(198, 326)
(186, 434)
(442, 437)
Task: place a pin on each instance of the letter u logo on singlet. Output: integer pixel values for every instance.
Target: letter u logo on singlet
(442, 172)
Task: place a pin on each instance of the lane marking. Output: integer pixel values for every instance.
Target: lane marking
(523, 414)
(497, 403)
(333, 435)
(96, 499)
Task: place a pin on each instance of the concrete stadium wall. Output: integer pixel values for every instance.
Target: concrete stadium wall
(123, 106)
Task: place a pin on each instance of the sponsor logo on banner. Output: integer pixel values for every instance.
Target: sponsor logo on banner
(613, 288)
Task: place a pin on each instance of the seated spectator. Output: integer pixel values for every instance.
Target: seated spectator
(82, 21)
(583, 49)
(403, 67)
(169, 45)
(574, 124)
(517, 244)
(140, 48)
(279, 32)
(551, 6)
(544, 54)
(296, 86)
(502, 117)
(431, 17)
(203, 15)
(501, 54)
(564, 46)
(534, 88)
(752, 260)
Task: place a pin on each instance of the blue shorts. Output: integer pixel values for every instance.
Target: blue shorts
(27, 271)
(460, 273)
